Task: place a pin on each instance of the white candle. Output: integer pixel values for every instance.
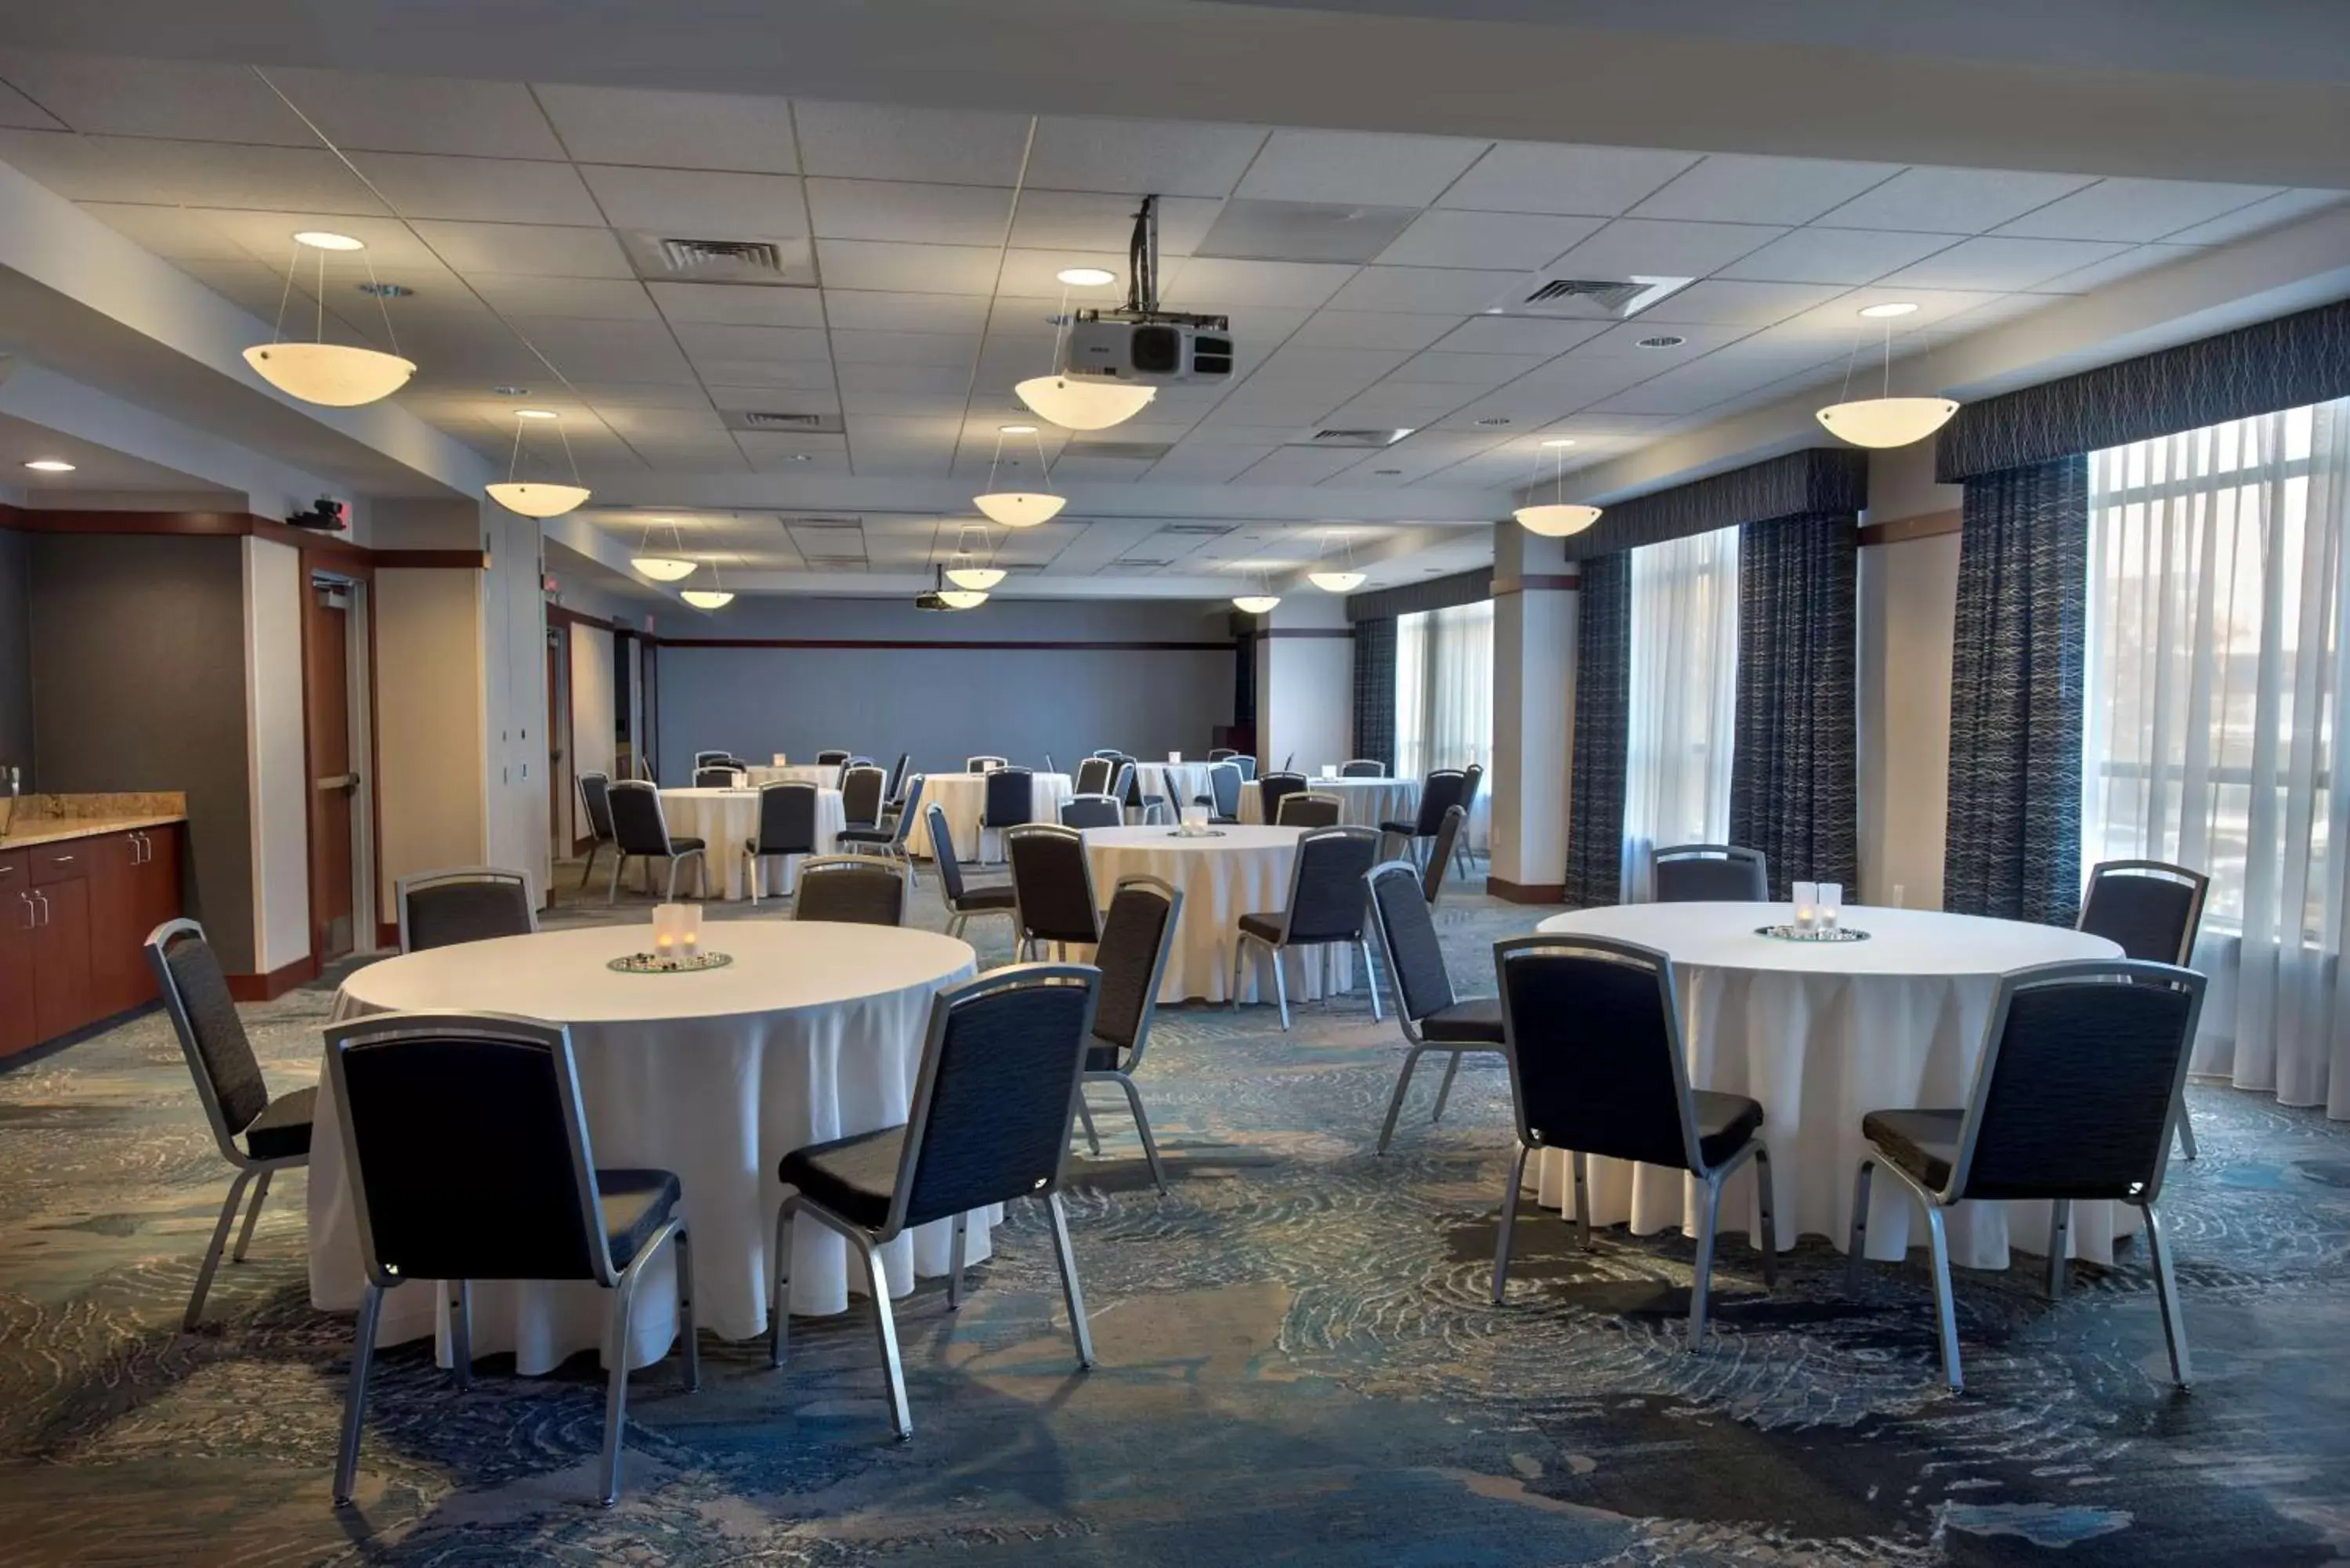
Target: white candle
(1807, 898)
(1831, 905)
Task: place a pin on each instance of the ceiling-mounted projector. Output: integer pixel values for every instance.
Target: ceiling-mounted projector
(1139, 342)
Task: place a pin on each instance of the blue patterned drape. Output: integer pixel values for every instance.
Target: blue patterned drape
(1603, 684)
(1793, 770)
(1375, 683)
(2013, 844)
(1815, 480)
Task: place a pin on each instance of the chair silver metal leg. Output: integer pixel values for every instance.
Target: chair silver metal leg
(616, 1384)
(1709, 1226)
(2059, 1245)
(1582, 1164)
(885, 1328)
(955, 1254)
(2166, 1294)
(1142, 1129)
(1395, 1101)
(1946, 1307)
(1240, 957)
(1086, 1120)
(1763, 1200)
(1444, 1090)
(672, 878)
(346, 1458)
(750, 863)
(1855, 1252)
(460, 1332)
(1370, 979)
(587, 867)
(252, 1216)
(688, 1341)
(1509, 1222)
(229, 1209)
(1281, 986)
(619, 864)
(1070, 1289)
(2186, 1130)
(779, 1308)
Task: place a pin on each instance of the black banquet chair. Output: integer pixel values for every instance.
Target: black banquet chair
(1094, 775)
(1709, 873)
(2074, 1097)
(257, 1132)
(1009, 800)
(1325, 910)
(1053, 879)
(1362, 768)
(1440, 854)
(596, 804)
(786, 827)
(1223, 797)
(1092, 810)
(716, 776)
(1307, 808)
(524, 1202)
(964, 903)
(849, 889)
(1593, 1039)
(466, 904)
(983, 764)
(641, 828)
(990, 1123)
(712, 759)
(2151, 909)
(1432, 1017)
(888, 839)
(1136, 935)
(831, 757)
(1441, 790)
(1273, 788)
(862, 786)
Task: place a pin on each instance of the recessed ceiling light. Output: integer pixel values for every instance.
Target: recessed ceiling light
(326, 240)
(386, 290)
(1558, 441)
(510, 391)
(1016, 430)
(1085, 276)
(1891, 307)
(1493, 420)
(1663, 340)
(535, 414)
(1386, 473)
(799, 457)
(1493, 310)
(50, 465)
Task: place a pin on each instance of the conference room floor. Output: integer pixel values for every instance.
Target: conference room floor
(1298, 1363)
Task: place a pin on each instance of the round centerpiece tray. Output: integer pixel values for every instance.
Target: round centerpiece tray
(658, 963)
(1205, 833)
(1792, 934)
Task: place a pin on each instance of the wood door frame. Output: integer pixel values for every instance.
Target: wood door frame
(368, 925)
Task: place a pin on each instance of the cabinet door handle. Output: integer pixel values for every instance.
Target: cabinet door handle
(31, 916)
(141, 852)
(43, 898)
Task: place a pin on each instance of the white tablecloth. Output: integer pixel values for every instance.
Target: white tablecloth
(826, 776)
(814, 1032)
(1362, 802)
(1243, 871)
(727, 819)
(965, 797)
(1177, 783)
(1822, 1035)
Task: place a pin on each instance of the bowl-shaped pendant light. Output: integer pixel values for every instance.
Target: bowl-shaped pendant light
(963, 598)
(707, 598)
(979, 579)
(1020, 508)
(1255, 604)
(1556, 522)
(334, 375)
(1335, 582)
(1887, 422)
(1084, 402)
(534, 499)
(662, 568)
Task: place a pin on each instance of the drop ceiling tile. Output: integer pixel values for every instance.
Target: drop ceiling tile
(1404, 405)
(1174, 158)
(1472, 372)
(1952, 200)
(610, 350)
(2130, 263)
(2002, 265)
(192, 173)
(901, 404)
(807, 391)
(175, 233)
(716, 372)
(494, 190)
(599, 299)
(906, 312)
(917, 215)
(1445, 237)
(1299, 465)
(1373, 329)
(373, 112)
(1518, 335)
(526, 249)
(1541, 177)
(726, 340)
(1207, 463)
(1840, 319)
(185, 100)
(2133, 210)
(1455, 290)
(905, 378)
(906, 269)
(1356, 166)
(1656, 248)
(738, 305)
(1033, 276)
(698, 203)
(1211, 283)
(2285, 207)
(673, 129)
(21, 113)
(1625, 340)
(856, 347)
(1733, 188)
(1719, 302)
(641, 395)
(1344, 368)
(883, 141)
(1304, 231)
(1082, 221)
(1821, 255)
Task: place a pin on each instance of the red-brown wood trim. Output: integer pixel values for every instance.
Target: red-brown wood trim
(387, 936)
(1526, 892)
(375, 786)
(276, 982)
(431, 560)
(971, 644)
(302, 590)
(1268, 634)
(222, 524)
(1902, 529)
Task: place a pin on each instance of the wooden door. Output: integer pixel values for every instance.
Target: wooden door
(19, 914)
(325, 695)
(159, 897)
(558, 740)
(118, 976)
(62, 998)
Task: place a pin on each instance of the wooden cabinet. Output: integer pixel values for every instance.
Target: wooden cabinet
(19, 916)
(74, 915)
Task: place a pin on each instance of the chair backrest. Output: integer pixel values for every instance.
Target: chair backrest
(467, 904)
(212, 1036)
(1439, 854)
(1218, 753)
(1472, 778)
(998, 1091)
(1362, 768)
(1415, 959)
(639, 825)
(1326, 884)
(860, 795)
(2150, 909)
(786, 819)
(831, 757)
(1121, 785)
(1094, 775)
(595, 801)
(1092, 810)
(1053, 879)
(1439, 792)
(1271, 787)
(1011, 797)
(2078, 1082)
(704, 759)
(1136, 936)
(1593, 1044)
(850, 889)
(1224, 787)
(898, 777)
(912, 802)
(942, 852)
(1110, 752)
(982, 764)
(1246, 763)
(1710, 874)
(520, 1204)
(715, 778)
(1304, 809)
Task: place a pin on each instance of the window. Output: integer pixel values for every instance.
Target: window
(1444, 690)
(1683, 698)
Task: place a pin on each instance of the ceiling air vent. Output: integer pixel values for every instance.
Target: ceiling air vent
(735, 255)
(1132, 450)
(1588, 298)
(664, 257)
(1371, 439)
(1199, 530)
(783, 421)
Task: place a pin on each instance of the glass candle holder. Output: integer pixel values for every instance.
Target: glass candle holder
(1330, 770)
(1831, 905)
(1175, 757)
(1807, 905)
(1195, 820)
(669, 921)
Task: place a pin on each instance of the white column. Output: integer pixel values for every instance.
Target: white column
(1305, 682)
(1534, 605)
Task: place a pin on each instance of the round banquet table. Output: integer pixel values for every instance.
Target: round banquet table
(1177, 783)
(1362, 802)
(1240, 871)
(964, 796)
(826, 775)
(814, 1032)
(727, 819)
(1821, 1033)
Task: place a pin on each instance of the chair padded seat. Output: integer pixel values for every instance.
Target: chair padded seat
(1724, 1123)
(681, 844)
(282, 1131)
(1923, 1143)
(853, 1177)
(866, 835)
(635, 1203)
(1476, 1021)
(1264, 928)
(1103, 1055)
(1003, 896)
(1407, 829)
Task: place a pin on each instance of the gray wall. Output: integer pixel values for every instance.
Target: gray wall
(16, 656)
(138, 659)
(943, 704)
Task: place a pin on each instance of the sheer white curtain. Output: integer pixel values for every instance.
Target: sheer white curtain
(1683, 698)
(1444, 694)
(2216, 691)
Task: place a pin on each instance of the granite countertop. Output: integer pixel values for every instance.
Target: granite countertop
(55, 829)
